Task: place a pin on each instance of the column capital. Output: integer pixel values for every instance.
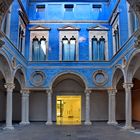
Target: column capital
(49, 91)
(9, 86)
(88, 91)
(24, 91)
(112, 91)
(127, 85)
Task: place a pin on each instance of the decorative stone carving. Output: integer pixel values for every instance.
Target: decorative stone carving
(137, 42)
(100, 78)
(38, 78)
(124, 62)
(14, 63)
(1, 43)
(127, 86)
(9, 86)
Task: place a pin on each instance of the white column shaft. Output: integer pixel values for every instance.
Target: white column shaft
(25, 108)
(112, 107)
(49, 119)
(128, 106)
(87, 115)
(9, 110)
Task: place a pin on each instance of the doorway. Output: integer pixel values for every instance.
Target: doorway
(68, 110)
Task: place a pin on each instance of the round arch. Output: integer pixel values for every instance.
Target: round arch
(118, 73)
(133, 65)
(19, 74)
(5, 67)
(68, 75)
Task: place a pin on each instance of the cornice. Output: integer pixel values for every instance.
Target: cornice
(68, 28)
(97, 28)
(40, 28)
(67, 21)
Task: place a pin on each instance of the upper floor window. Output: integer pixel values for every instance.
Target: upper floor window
(39, 37)
(21, 36)
(69, 49)
(116, 38)
(39, 49)
(132, 20)
(116, 34)
(98, 50)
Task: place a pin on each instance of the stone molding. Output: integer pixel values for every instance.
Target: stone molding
(112, 91)
(38, 78)
(1, 43)
(100, 77)
(127, 86)
(9, 86)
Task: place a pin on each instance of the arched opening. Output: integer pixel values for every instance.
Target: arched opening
(2, 99)
(118, 80)
(5, 77)
(16, 102)
(68, 99)
(134, 77)
(19, 81)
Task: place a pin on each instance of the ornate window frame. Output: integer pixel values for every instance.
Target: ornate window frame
(39, 31)
(115, 22)
(98, 31)
(21, 25)
(68, 31)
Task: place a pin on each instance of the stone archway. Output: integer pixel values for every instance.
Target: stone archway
(69, 85)
(2, 99)
(117, 84)
(133, 76)
(19, 81)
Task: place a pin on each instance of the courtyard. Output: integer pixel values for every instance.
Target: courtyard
(97, 131)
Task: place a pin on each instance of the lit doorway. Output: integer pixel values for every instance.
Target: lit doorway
(68, 110)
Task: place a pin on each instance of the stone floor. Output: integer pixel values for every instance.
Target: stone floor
(39, 131)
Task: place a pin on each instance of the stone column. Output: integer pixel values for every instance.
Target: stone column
(112, 106)
(49, 109)
(128, 106)
(25, 107)
(87, 115)
(9, 107)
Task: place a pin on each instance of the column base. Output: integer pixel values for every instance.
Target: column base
(49, 123)
(88, 123)
(128, 128)
(24, 123)
(8, 128)
(112, 123)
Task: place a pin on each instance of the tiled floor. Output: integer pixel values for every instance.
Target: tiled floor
(97, 131)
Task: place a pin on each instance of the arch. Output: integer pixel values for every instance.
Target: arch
(19, 74)
(118, 72)
(133, 65)
(68, 73)
(5, 67)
